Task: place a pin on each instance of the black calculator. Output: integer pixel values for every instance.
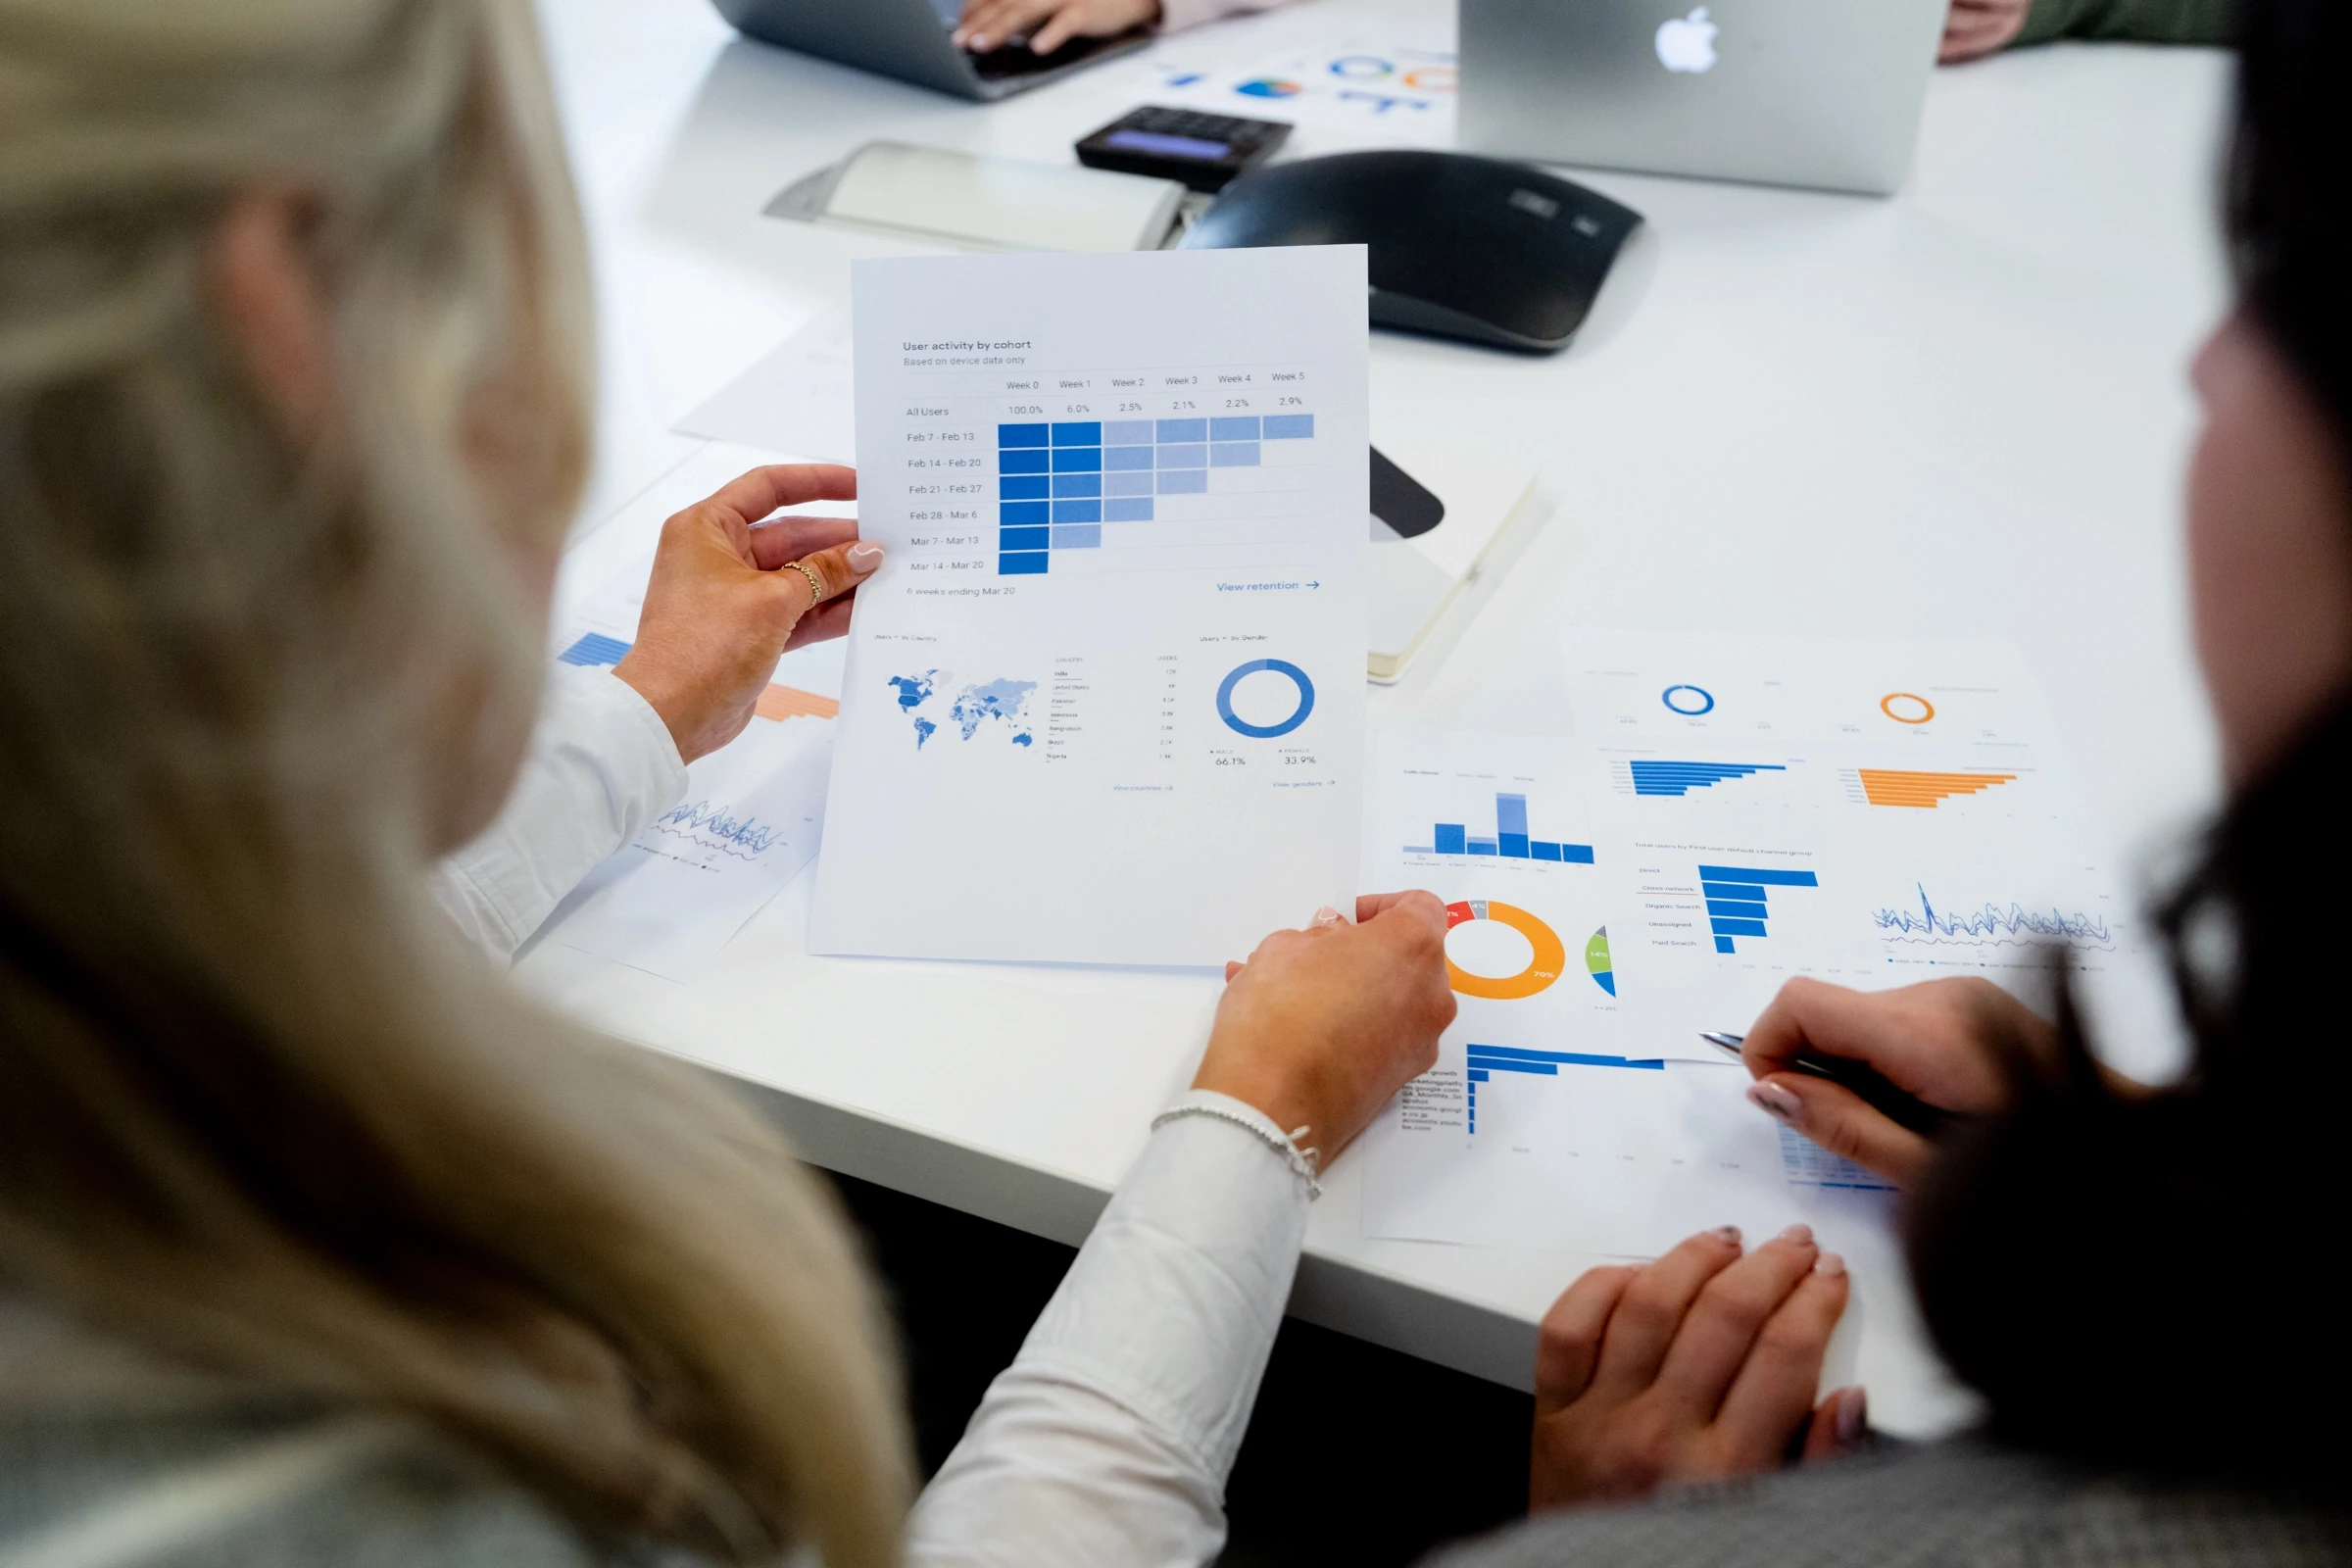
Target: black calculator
(1205, 151)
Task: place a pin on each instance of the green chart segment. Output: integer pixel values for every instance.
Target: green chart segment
(1596, 961)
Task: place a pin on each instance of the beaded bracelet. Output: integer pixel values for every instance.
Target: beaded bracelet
(1301, 1161)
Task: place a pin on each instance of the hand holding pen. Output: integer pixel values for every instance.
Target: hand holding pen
(1873, 1075)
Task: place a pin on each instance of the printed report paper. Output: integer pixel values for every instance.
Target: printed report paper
(1103, 702)
(1556, 1116)
(1867, 813)
(1732, 812)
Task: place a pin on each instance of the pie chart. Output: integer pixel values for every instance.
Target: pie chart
(1281, 726)
(1596, 961)
(1543, 968)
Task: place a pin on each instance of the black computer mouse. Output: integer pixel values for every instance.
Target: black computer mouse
(1464, 247)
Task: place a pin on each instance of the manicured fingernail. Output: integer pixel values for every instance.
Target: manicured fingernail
(1776, 1101)
(1726, 1233)
(1797, 1233)
(864, 555)
(1327, 915)
(1853, 1414)
(1829, 1264)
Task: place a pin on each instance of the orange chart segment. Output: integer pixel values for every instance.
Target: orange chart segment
(781, 702)
(1550, 954)
(1882, 786)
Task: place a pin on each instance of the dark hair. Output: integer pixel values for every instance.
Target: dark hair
(2148, 1282)
(2289, 198)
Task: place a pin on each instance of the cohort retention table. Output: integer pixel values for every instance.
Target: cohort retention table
(1059, 483)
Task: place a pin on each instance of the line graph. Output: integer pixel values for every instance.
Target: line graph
(716, 827)
(1990, 924)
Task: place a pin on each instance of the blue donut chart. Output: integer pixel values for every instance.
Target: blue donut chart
(1266, 732)
(1705, 697)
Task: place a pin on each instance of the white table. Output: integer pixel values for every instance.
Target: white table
(1957, 412)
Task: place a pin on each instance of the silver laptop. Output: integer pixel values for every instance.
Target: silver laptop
(908, 39)
(1787, 92)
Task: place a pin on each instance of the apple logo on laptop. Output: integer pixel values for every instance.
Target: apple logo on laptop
(1688, 43)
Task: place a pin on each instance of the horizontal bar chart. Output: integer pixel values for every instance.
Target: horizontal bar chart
(780, 703)
(1484, 1061)
(592, 650)
(1886, 786)
(1653, 777)
(1737, 898)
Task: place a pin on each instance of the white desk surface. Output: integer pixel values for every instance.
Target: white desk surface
(1958, 413)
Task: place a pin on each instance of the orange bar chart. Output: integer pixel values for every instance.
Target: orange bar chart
(780, 703)
(1882, 786)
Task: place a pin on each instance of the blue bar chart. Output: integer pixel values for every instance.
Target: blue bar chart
(1484, 1061)
(1652, 778)
(1068, 485)
(1736, 899)
(594, 649)
(1510, 840)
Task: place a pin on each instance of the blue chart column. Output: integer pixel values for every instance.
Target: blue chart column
(1127, 457)
(1510, 825)
(1077, 485)
(1024, 508)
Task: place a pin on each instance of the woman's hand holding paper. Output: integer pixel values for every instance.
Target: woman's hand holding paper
(730, 595)
(1321, 1026)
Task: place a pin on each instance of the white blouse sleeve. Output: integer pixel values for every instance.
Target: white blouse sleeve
(1109, 1438)
(602, 765)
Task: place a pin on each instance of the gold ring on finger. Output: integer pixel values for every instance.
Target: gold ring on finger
(816, 584)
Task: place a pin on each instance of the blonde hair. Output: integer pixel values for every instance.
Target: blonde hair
(257, 1108)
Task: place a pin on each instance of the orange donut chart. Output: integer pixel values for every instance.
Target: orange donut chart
(1926, 710)
(1550, 957)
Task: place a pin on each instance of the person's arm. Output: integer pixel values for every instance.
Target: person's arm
(730, 593)
(1109, 1438)
(2206, 22)
(1177, 15)
(1974, 28)
(1048, 24)
(602, 764)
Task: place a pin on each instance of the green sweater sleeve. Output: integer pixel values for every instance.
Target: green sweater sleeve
(2142, 20)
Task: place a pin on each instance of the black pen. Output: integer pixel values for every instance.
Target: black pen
(1900, 1107)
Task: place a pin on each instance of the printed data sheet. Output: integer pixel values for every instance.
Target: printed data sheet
(1730, 813)
(1103, 702)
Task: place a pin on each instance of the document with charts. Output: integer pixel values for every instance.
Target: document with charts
(1103, 702)
(1733, 811)
(1555, 1117)
(1869, 812)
